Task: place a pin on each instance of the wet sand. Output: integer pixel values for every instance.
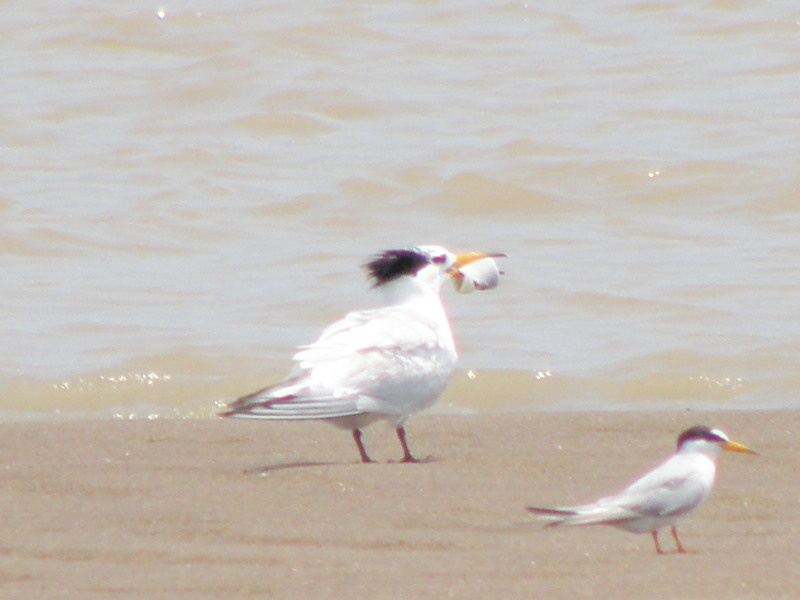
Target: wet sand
(234, 509)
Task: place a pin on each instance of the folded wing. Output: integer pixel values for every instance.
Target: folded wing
(385, 360)
(671, 490)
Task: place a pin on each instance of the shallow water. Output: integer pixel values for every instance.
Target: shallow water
(189, 189)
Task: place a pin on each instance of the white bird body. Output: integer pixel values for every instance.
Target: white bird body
(384, 363)
(389, 362)
(676, 487)
(661, 497)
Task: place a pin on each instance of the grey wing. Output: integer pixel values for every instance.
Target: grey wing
(672, 489)
(669, 498)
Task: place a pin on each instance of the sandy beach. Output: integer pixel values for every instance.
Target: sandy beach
(230, 509)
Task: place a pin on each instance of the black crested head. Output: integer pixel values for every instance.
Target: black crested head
(701, 432)
(391, 264)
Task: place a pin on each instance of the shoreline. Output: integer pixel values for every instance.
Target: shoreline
(185, 395)
(184, 508)
(209, 411)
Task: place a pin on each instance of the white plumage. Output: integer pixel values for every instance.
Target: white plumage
(661, 497)
(385, 363)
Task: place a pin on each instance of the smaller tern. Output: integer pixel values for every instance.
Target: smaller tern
(386, 363)
(661, 497)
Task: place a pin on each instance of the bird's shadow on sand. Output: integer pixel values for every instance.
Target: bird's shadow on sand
(417, 461)
(679, 553)
(267, 469)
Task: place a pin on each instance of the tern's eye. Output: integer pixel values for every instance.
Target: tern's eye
(440, 259)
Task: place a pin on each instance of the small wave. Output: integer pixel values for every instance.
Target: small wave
(175, 385)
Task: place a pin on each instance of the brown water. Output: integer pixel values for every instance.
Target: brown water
(188, 191)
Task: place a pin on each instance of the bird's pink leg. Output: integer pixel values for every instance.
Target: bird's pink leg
(677, 541)
(655, 539)
(407, 456)
(361, 450)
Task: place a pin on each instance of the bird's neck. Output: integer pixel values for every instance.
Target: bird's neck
(407, 290)
(710, 451)
(421, 297)
(420, 294)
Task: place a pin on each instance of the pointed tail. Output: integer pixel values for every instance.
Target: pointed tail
(555, 516)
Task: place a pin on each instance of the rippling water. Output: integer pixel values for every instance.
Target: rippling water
(188, 190)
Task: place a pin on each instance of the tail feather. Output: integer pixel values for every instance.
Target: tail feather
(556, 516)
(590, 514)
(244, 404)
(291, 408)
(289, 400)
(552, 512)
